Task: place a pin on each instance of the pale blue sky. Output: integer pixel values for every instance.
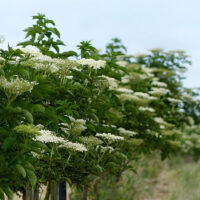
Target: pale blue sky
(141, 24)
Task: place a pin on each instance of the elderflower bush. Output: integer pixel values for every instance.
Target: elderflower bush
(83, 118)
(191, 141)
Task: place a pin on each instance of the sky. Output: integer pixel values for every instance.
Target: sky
(140, 24)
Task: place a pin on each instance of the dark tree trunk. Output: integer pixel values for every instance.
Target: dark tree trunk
(62, 191)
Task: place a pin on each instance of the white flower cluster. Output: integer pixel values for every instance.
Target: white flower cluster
(35, 155)
(159, 91)
(107, 125)
(16, 86)
(2, 59)
(122, 63)
(76, 125)
(128, 97)
(159, 84)
(189, 97)
(109, 136)
(143, 76)
(73, 146)
(39, 126)
(112, 82)
(126, 56)
(174, 100)
(148, 70)
(44, 62)
(46, 66)
(125, 79)
(91, 141)
(30, 51)
(76, 69)
(126, 132)
(47, 136)
(124, 90)
(138, 97)
(146, 109)
(92, 63)
(144, 96)
(69, 77)
(159, 120)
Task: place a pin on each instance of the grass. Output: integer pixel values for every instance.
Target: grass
(174, 179)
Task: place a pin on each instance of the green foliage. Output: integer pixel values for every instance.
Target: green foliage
(42, 36)
(85, 119)
(87, 50)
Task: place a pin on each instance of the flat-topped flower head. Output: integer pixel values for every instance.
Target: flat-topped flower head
(47, 136)
(16, 87)
(146, 109)
(76, 126)
(112, 82)
(109, 136)
(124, 90)
(122, 63)
(95, 64)
(90, 141)
(159, 84)
(174, 100)
(126, 79)
(123, 131)
(159, 120)
(73, 146)
(158, 91)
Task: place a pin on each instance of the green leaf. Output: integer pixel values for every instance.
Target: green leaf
(32, 177)
(98, 168)
(40, 37)
(59, 42)
(21, 170)
(67, 54)
(8, 143)
(56, 47)
(50, 22)
(41, 145)
(28, 166)
(25, 43)
(55, 31)
(28, 116)
(38, 108)
(2, 194)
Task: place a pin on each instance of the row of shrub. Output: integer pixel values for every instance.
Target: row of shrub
(79, 116)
